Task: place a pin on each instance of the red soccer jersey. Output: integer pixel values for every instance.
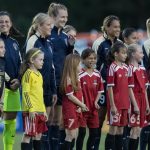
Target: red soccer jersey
(138, 78)
(68, 106)
(91, 85)
(118, 79)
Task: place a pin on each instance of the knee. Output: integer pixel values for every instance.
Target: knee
(134, 133)
(70, 136)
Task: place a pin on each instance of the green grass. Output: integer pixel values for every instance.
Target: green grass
(19, 137)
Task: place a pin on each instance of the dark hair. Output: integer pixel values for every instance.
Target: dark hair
(87, 52)
(115, 48)
(127, 32)
(13, 31)
(108, 21)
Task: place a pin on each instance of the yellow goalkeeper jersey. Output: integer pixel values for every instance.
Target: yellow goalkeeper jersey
(32, 92)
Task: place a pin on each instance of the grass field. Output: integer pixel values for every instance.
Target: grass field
(19, 137)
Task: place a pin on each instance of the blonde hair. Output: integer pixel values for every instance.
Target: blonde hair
(54, 8)
(39, 19)
(148, 27)
(108, 21)
(132, 48)
(70, 71)
(32, 53)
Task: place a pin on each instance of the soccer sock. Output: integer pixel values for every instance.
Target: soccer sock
(62, 138)
(72, 144)
(118, 142)
(55, 137)
(37, 144)
(45, 140)
(80, 138)
(137, 143)
(132, 144)
(9, 134)
(110, 142)
(98, 138)
(93, 132)
(26, 146)
(67, 145)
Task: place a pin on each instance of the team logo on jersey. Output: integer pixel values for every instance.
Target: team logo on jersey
(84, 82)
(15, 46)
(95, 82)
(143, 76)
(120, 75)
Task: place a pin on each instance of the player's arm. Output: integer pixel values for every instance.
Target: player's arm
(71, 97)
(26, 91)
(111, 100)
(133, 101)
(131, 93)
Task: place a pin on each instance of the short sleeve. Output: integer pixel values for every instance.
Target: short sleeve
(130, 76)
(110, 78)
(69, 88)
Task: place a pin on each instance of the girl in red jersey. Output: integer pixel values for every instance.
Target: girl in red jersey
(138, 94)
(92, 87)
(118, 96)
(72, 98)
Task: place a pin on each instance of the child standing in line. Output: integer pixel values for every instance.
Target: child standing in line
(2, 75)
(34, 112)
(118, 96)
(138, 95)
(128, 36)
(72, 98)
(92, 87)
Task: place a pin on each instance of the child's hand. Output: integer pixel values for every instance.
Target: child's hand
(14, 84)
(113, 110)
(96, 105)
(32, 115)
(79, 110)
(84, 108)
(45, 114)
(136, 110)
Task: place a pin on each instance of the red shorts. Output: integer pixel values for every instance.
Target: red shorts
(32, 128)
(90, 119)
(138, 120)
(120, 119)
(71, 118)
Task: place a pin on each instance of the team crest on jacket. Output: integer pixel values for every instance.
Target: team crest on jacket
(15, 46)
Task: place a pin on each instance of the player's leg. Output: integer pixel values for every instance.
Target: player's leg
(9, 131)
(134, 138)
(110, 138)
(119, 138)
(62, 133)
(102, 114)
(93, 134)
(70, 135)
(80, 138)
(55, 126)
(144, 135)
(25, 144)
(45, 139)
